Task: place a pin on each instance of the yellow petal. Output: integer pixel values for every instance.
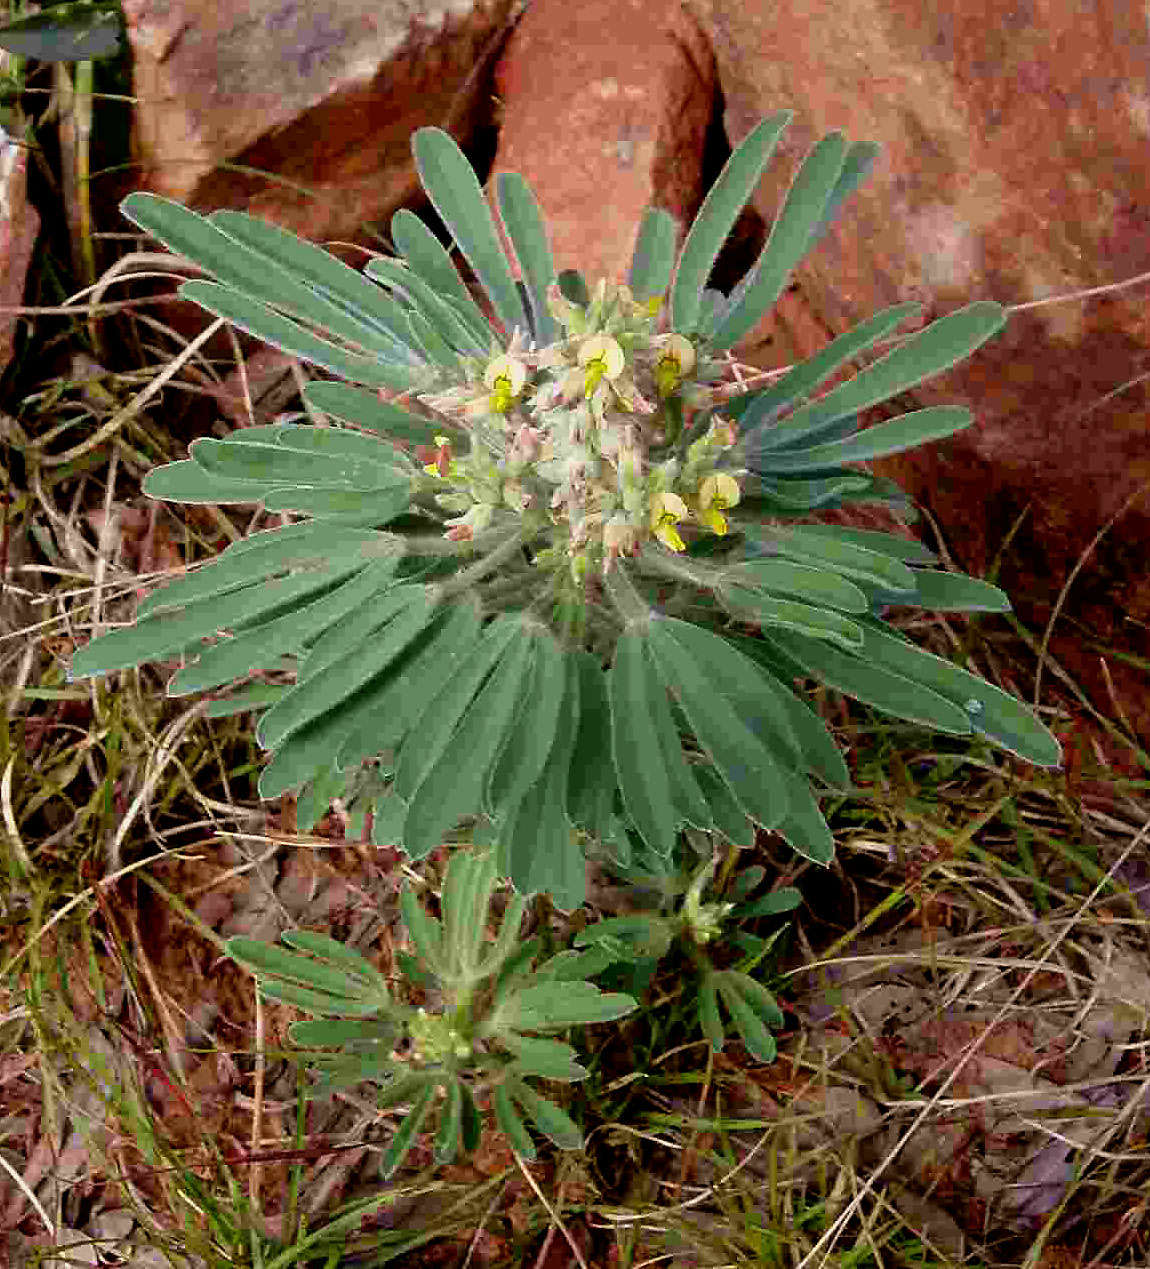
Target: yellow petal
(714, 521)
(509, 368)
(666, 532)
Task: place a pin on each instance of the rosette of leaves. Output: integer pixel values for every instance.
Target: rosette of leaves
(512, 585)
(697, 923)
(493, 1027)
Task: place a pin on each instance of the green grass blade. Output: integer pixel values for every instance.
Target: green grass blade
(727, 197)
(456, 195)
(789, 241)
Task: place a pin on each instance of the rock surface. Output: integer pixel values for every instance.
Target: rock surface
(605, 108)
(1013, 168)
(322, 98)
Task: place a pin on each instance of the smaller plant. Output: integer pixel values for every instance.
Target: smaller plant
(690, 916)
(488, 1024)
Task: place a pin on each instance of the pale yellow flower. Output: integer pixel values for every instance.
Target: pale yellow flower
(667, 509)
(676, 361)
(716, 493)
(505, 376)
(602, 357)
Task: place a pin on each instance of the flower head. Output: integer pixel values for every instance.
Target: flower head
(505, 376)
(677, 360)
(602, 357)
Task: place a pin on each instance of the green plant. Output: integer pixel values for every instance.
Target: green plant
(529, 625)
(687, 915)
(73, 32)
(492, 1030)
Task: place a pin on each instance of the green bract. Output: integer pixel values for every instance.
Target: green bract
(494, 1031)
(526, 538)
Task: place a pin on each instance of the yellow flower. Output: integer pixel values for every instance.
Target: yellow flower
(505, 376)
(602, 357)
(678, 360)
(667, 509)
(717, 492)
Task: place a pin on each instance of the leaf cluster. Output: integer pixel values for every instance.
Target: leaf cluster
(492, 1028)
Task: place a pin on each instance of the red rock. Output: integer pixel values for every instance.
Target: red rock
(605, 107)
(1013, 168)
(323, 98)
(19, 225)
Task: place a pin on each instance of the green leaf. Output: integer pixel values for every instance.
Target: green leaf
(337, 641)
(427, 256)
(837, 551)
(263, 555)
(690, 805)
(790, 237)
(785, 899)
(331, 686)
(547, 1059)
(554, 1006)
(950, 592)
(910, 550)
(280, 465)
(923, 355)
(337, 1032)
(709, 1017)
(251, 276)
(635, 745)
(254, 696)
(727, 197)
(453, 787)
(804, 828)
(756, 411)
(281, 332)
(818, 623)
(352, 962)
(464, 902)
(76, 32)
(422, 747)
(450, 1123)
(471, 1125)
(728, 816)
(991, 711)
(892, 693)
(653, 261)
(591, 783)
(530, 741)
(510, 1124)
(187, 481)
(448, 324)
(261, 647)
(426, 934)
(815, 585)
(456, 195)
(354, 405)
(573, 287)
(406, 1133)
(548, 1118)
(523, 222)
(683, 653)
(505, 941)
(752, 1030)
(380, 720)
(331, 294)
(860, 159)
(758, 997)
(892, 437)
(540, 851)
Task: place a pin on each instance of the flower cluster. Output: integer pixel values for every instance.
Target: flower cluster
(586, 436)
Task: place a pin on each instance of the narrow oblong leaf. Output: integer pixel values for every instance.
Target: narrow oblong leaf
(758, 410)
(546, 1059)
(785, 899)
(456, 195)
(726, 198)
(187, 481)
(909, 550)
(636, 746)
(990, 711)
(523, 222)
(790, 237)
(818, 623)
(709, 1017)
(752, 1030)
(555, 1006)
(951, 592)
(336, 1032)
(355, 405)
(840, 553)
(423, 746)
(552, 1122)
(813, 584)
(510, 1123)
(727, 816)
(860, 159)
(591, 783)
(425, 931)
(530, 742)
(804, 828)
(265, 323)
(653, 260)
(427, 256)
(923, 355)
(406, 1133)
(758, 997)
(351, 961)
(892, 437)
(450, 1123)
